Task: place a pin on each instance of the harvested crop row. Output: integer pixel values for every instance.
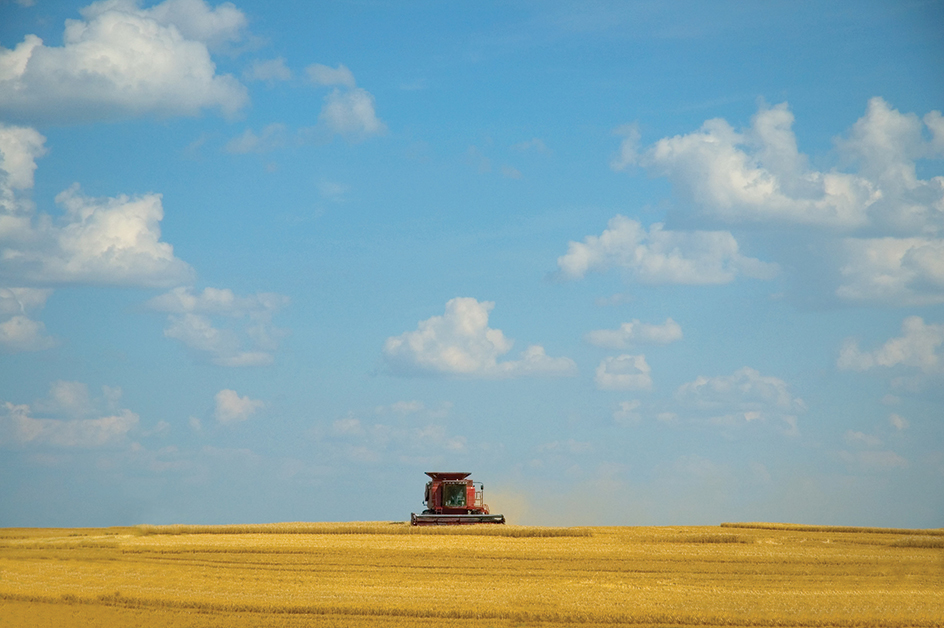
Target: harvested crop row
(672, 576)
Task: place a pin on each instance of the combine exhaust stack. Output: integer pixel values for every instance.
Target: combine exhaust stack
(452, 499)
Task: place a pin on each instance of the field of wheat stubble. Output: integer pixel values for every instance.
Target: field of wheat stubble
(390, 574)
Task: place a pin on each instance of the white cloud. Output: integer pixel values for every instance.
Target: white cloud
(19, 426)
(102, 241)
(189, 322)
(20, 147)
(348, 426)
(216, 27)
(351, 113)
(231, 408)
(461, 343)
(627, 413)
(900, 271)
(70, 399)
(759, 175)
(897, 421)
(326, 75)
(917, 347)
(182, 300)
(629, 146)
(743, 396)
(885, 144)
(624, 372)
(660, 256)
(891, 221)
(635, 332)
(348, 110)
(222, 346)
(269, 71)
(22, 300)
(112, 241)
(18, 332)
(123, 61)
(271, 137)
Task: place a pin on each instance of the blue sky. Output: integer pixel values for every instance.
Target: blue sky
(627, 262)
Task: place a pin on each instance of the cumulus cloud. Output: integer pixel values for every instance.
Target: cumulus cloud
(635, 332)
(351, 113)
(901, 271)
(189, 322)
(627, 413)
(68, 418)
(101, 241)
(18, 332)
(885, 144)
(461, 343)
(217, 27)
(743, 396)
(918, 347)
(221, 346)
(624, 372)
(183, 300)
(897, 421)
(271, 137)
(270, 71)
(887, 221)
(759, 175)
(347, 110)
(105, 241)
(660, 256)
(122, 61)
(20, 147)
(231, 408)
(22, 300)
(326, 75)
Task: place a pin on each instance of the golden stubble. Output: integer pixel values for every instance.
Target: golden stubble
(392, 574)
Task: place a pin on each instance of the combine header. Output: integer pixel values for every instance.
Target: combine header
(451, 499)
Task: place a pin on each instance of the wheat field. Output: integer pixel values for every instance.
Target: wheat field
(393, 575)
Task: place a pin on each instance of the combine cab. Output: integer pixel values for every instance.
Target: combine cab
(451, 499)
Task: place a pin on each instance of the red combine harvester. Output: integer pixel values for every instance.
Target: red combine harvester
(451, 499)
